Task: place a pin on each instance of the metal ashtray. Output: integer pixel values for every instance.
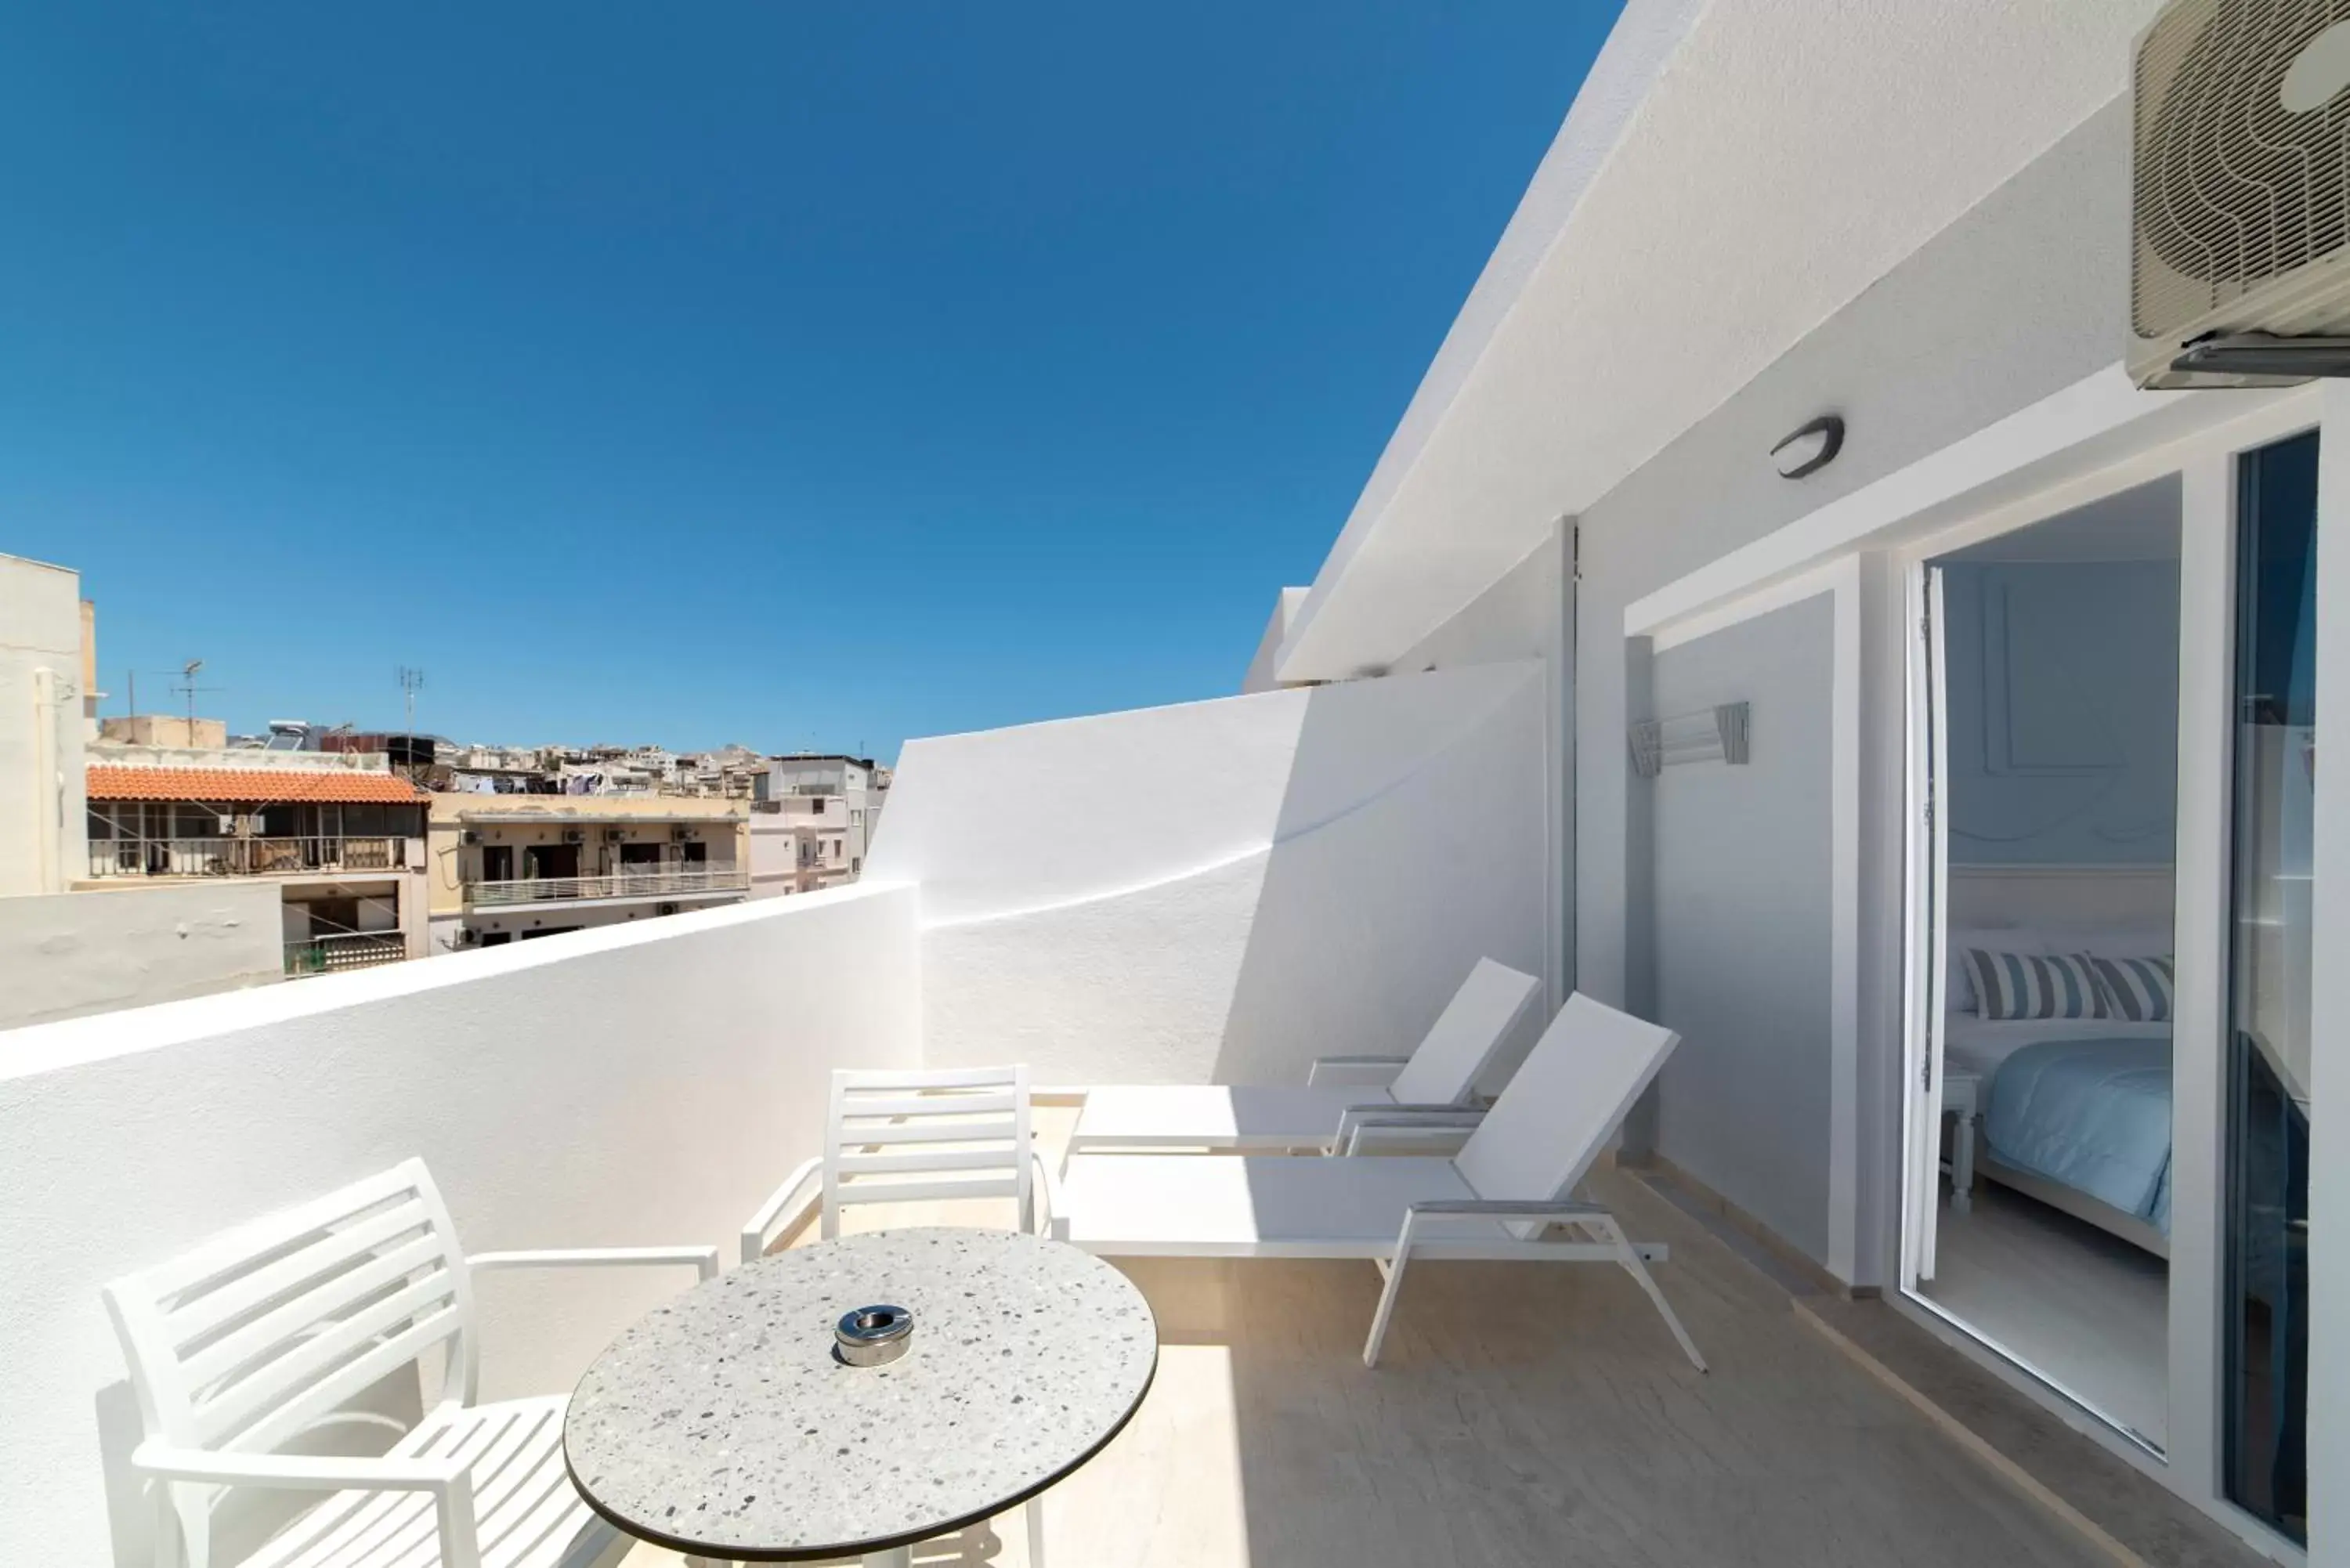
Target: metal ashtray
(873, 1336)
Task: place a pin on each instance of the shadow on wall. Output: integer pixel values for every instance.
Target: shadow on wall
(1223, 890)
(1410, 843)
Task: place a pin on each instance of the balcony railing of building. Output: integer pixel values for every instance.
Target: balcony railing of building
(646, 882)
(346, 950)
(229, 856)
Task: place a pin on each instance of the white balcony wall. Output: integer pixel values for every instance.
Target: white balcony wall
(1260, 675)
(66, 954)
(1220, 891)
(642, 1084)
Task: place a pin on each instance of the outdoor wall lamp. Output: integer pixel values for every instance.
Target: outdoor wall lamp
(1810, 449)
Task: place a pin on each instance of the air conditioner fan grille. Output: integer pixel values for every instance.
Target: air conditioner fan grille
(2230, 190)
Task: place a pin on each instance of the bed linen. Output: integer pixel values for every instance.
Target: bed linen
(2093, 1113)
(1980, 1046)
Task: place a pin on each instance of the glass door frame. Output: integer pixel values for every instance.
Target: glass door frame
(2205, 459)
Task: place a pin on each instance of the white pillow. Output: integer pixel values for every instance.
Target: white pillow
(1958, 985)
(2142, 989)
(2013, 985)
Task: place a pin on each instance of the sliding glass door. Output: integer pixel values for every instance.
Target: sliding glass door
(2113, 975)
(2265, 1238)
(2048, 669)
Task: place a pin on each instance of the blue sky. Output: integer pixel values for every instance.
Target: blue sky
(801, 374)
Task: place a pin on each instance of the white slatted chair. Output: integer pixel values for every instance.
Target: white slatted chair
(266, 1333)
(1496, 1199)
(918, 1137)
(1440, 1073)
(913, 1137)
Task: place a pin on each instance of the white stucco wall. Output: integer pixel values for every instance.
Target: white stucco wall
(644, 1085)
(1260, 676)
(1973, 327)
(1970, 329)
(43, 828)
(1220, 891)
(1743, 908)
(1528, 615)
(65, 954)
(1517, 617)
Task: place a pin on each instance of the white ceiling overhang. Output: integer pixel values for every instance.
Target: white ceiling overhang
(1732, 174)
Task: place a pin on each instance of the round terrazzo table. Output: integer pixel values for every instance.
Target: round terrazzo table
(724, 1425)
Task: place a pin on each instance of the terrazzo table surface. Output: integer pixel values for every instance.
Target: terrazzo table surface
(723, 1424)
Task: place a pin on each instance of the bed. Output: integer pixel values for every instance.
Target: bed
(2076, 1114)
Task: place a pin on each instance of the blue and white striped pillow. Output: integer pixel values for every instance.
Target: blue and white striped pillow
(2035, 985)
(2138, 988)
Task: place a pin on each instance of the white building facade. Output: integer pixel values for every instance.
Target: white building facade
(812, 819)
(42, 679)
(1920, 230)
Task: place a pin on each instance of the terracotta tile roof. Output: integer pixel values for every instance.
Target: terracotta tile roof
(113, 781)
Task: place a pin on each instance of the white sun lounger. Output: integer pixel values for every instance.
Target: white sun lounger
(1498, 1199)
(1439, 1074)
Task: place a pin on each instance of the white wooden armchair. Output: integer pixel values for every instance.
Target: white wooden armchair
(266, 1331)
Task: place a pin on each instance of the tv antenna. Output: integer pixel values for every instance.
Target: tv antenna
(188, 689)
(411, 682)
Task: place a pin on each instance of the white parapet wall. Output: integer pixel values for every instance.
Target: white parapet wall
(640, 1084)
(1260, 675)
(1220, 891)
(66, 954)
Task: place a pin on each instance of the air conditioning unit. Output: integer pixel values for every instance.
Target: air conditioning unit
(473, 835)
(575, 835)
(613, 835)
(665, 909)
(680, 835)
(2239, 264)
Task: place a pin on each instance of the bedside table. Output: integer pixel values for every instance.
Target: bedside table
(1961, 1097)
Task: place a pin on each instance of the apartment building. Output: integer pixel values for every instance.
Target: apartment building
(142, 860)
(164, 730)
(812, 822)
(732, 771)
(48, 676)
(795, 849)
(338, 835)
(517, 866)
